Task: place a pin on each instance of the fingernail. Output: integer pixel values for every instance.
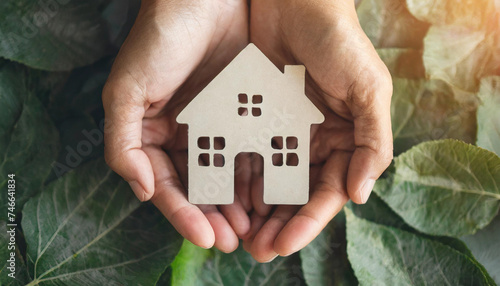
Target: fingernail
(366, 190)
(267, 261)
(138, 190)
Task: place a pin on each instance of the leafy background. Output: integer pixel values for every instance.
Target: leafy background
(433, 218)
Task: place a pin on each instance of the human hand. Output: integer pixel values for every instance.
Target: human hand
(173, 50)
(352, 87)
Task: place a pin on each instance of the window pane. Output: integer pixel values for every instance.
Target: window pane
(256, 111)
(219, 160)
(204, 143)
(204, 160)
(256, 99)
(277, 142)
(242, 98)
(278, 159)
(219, 143)
(292, 159)
(242, 111)
(291, 143)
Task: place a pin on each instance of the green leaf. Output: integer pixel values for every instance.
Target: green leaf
(377, 211)
(403, 63)
(386, 23)
(165, 278)
(188, 264)
(384, 255)
(424, 110)
(9, 237)
(28, 138)
(324, 260)
(445, 187)
(461, 56)
(485, 245)
(81, 93)
(488, 117)
(52, 35)
(468, 13)
(81, 141)
(239, 268)
(88, 226)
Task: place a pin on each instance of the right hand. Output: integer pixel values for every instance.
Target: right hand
(173, 50)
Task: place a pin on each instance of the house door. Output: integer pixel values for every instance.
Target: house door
(249, 176)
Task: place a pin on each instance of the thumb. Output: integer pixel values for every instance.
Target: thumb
(370, 102)
(124, 106)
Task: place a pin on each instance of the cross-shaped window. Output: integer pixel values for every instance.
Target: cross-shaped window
(285, 147)
(246, 107)
(219, 143)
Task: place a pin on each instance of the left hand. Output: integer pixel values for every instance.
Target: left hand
(352, 87)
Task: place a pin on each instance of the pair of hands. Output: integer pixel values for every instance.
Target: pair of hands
(176, 47)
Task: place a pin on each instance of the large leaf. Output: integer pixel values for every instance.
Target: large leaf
(461, 56)
(28, 138)
(52, 35)
(324, 260)
(384, 255)
(188, 264)
(403, 63)
(468, 13)
(81, 92)
(81, 141)
(239, 268)
(388, 24)
(485, 245)
(488, 115)
(377, 211)
(88, 226)
(424, 110)
(15, 274)
(120, 16)
(445, 187)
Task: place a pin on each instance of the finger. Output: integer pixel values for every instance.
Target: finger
(262, 248)
(124, 110)
(370, 106)
(236, 216)
(257, 186)
(171, 200)
(242, 179)
(226, 239)
(327, 199)
(180, 161)
(256, 223)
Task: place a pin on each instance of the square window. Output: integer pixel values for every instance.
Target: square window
(277, 142)
(204, 160)
(256, 99)
(242, 98)
(256, 111)
(218, 160)
(242, 111)
(219, 143)
(292, 159)
(204, 143)
(292, 143)
(278, 159)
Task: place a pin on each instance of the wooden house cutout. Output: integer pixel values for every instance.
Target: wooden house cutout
(251, 106)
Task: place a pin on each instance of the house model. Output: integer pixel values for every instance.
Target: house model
(251, 106)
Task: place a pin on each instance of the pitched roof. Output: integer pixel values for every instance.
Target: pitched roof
(252, 70)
